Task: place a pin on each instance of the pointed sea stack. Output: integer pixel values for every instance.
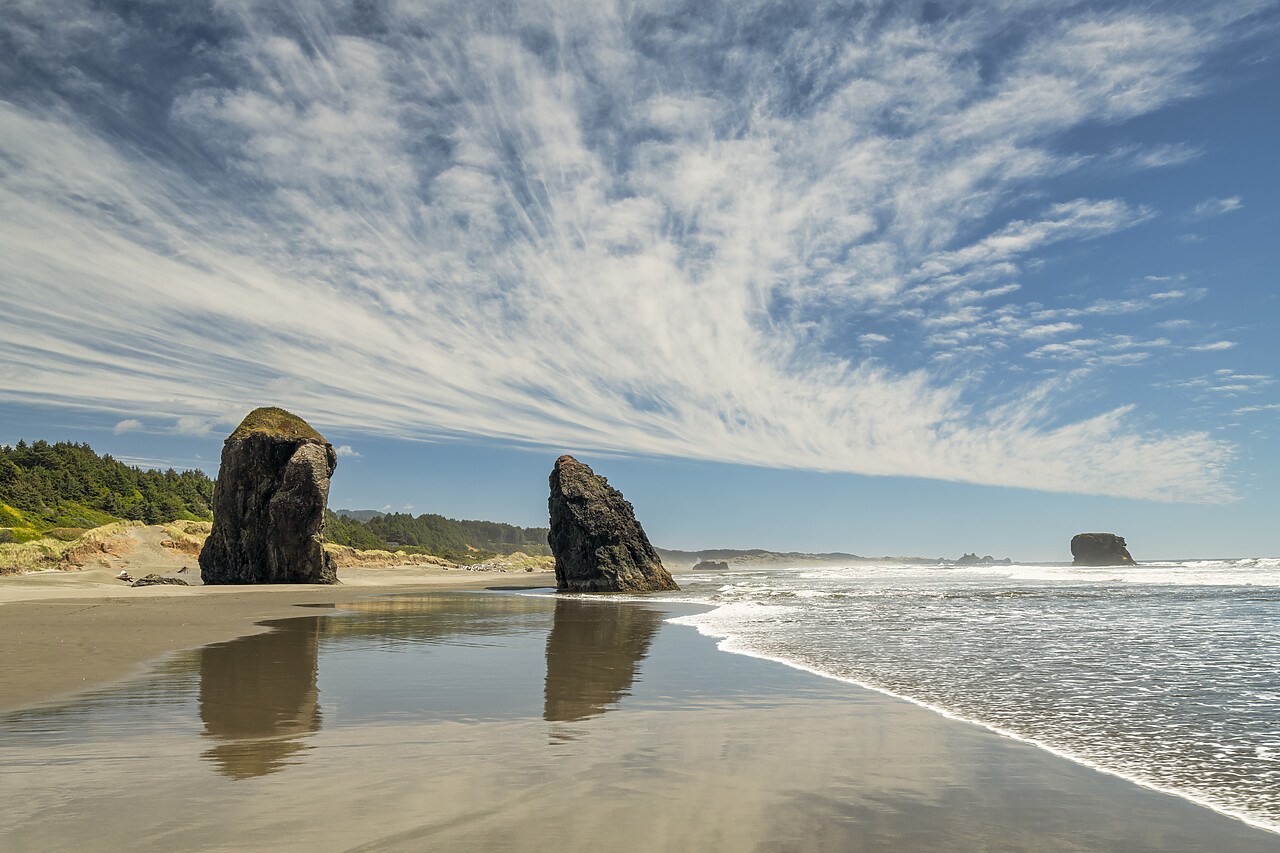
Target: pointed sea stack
(268, 504)
(1099, 549)
(597, 542)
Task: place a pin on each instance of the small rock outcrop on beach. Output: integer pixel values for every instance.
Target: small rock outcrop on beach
(158, 580)
(712, 566)
(1099, 549)
(268, 504)
(597, 542)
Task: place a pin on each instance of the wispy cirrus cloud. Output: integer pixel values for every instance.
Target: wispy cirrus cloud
(577, 225)
(1216, 207)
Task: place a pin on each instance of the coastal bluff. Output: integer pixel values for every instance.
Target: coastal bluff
(268, 504)
(1099, 549)
(597, 542)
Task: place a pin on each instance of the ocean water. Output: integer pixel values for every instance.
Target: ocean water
(1167, 674)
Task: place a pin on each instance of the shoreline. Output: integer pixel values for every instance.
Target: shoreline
(699, 748)
(997, 731)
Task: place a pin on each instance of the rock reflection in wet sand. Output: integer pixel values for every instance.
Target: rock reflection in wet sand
(593, 656)
(258, 698)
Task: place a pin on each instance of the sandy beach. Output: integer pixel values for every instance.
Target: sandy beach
(64, 631)
(460, 720)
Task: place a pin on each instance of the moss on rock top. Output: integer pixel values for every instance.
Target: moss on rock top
(275, 421)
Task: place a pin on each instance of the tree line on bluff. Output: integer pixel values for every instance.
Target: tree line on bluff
(453, 539)
(47, 486)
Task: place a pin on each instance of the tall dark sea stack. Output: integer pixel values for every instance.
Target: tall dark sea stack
(268, 504)
(597, 542)
(1099, 549)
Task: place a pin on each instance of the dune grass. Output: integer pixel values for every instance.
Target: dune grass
(53, 553)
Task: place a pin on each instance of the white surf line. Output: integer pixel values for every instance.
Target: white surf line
(726, 644)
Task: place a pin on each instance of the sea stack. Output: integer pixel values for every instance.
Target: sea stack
(269, 503)
(597, 542)
(1099, 549)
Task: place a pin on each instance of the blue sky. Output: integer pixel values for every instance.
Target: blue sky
(882, 277)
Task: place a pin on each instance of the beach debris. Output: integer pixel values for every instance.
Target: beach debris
(156, 580)
(269, 502)
(597, 542)
(124, 576)
(1099, 549)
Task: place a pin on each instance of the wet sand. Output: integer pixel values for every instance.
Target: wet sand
(459, 721)
(66, 631)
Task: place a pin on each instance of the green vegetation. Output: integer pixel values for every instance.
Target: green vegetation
(347, 531)
(44, 487)
(454, 540)
(51, 494)
(275, 421)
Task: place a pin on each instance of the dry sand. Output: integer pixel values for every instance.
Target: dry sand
(64, 631)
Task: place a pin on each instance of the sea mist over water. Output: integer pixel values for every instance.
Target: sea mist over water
(1165, 673)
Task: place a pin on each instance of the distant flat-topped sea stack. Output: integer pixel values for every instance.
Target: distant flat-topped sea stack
(268, 504)
(1099, 549)
(597, 542)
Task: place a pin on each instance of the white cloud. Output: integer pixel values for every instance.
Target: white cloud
(193, 425)
(1048, 330)
(1155, 156)
(1217, 207)
(128, 425)
(545, 224)
(345, 450)
(1216, 346)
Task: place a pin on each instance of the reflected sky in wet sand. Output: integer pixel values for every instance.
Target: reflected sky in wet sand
(516, 722)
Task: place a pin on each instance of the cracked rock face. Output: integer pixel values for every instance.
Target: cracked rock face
(1099, 549)
(269, 503)
(597, 542)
